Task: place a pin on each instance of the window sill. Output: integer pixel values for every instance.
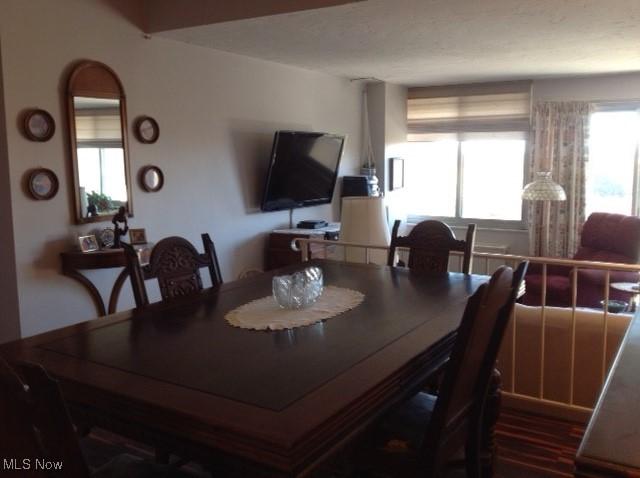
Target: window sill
(481, 224)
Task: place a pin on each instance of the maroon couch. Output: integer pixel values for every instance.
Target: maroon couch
(605, 238)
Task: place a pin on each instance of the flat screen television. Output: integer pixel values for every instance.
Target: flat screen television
(303, 170)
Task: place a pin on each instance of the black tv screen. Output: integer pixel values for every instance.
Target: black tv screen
(303, 170)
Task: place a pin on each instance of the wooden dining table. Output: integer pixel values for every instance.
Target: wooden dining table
(275, 403)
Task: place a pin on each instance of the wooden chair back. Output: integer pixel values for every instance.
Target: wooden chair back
(458, 411)
(176, 264)
(430, 243)
(36, 423)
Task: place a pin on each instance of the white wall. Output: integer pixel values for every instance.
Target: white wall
(395, 115)
(217, 114)
(376, 106)
(589, 88)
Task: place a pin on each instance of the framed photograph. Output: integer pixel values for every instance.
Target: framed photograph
(107, 237)
(137, 236)
(397, 173)
(88, 243)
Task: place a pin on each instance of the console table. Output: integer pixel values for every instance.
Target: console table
(75, 261)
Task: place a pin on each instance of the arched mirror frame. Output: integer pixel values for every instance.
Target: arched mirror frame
(96, 80)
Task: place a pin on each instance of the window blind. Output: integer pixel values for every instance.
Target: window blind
(98, 126)
(466, 111)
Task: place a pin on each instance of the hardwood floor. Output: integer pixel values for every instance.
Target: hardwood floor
(529, 446)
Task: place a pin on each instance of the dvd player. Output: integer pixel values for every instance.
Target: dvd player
(312, 224)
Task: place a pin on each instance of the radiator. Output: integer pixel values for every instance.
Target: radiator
(492, 248)
(480, 265)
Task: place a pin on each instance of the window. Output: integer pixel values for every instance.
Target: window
(466, 153)
(478, 179)
(431, 176)
(611, 172)
(96, 165)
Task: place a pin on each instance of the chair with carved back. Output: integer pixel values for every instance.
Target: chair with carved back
(420, 435)
(36, 425)
(176, 264)
(429, 244)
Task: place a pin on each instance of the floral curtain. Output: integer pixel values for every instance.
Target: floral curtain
(559, 137)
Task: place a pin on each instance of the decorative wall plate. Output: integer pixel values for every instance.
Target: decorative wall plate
(42, 183)
(39, 125)
(151, 179)
(146, 129)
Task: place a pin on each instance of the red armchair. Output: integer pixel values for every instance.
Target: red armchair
(605, 238)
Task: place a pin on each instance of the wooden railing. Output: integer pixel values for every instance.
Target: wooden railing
(485, 263)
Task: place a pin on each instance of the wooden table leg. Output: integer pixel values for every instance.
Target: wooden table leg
(489, 421)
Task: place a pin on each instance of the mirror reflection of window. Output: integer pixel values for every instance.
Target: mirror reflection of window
(101, 166)
(152, 179)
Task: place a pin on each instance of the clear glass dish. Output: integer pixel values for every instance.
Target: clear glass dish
(298, 290)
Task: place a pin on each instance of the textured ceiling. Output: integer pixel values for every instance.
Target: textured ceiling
(441, 41)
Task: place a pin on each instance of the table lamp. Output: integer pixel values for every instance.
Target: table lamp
(364, 221)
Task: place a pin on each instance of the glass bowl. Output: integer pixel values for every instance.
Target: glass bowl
(616, 306)
(298, 290)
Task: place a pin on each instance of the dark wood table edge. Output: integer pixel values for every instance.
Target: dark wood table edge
(303, 457)
(298, 459)
(587, 465)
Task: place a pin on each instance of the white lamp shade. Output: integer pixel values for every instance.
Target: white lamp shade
(364, 221)
(543, 188)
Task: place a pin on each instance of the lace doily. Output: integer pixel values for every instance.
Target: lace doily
(265, 314)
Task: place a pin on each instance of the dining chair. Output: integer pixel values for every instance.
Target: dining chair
(36, 425)
(176, 264)
(430, 243)
(420, 435)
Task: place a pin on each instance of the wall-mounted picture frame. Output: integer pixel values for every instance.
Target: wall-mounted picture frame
(88, 243)
(42, 184)
(38, 125)
(146, 129)
(137, 236)
(151, 179)
(396, 173)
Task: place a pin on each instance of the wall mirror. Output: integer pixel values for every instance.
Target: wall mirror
(98, 140)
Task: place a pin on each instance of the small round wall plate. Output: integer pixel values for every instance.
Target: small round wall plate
(151, 179)
(39, 125)
(146, 129)
(43, 183)
(107, 237)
